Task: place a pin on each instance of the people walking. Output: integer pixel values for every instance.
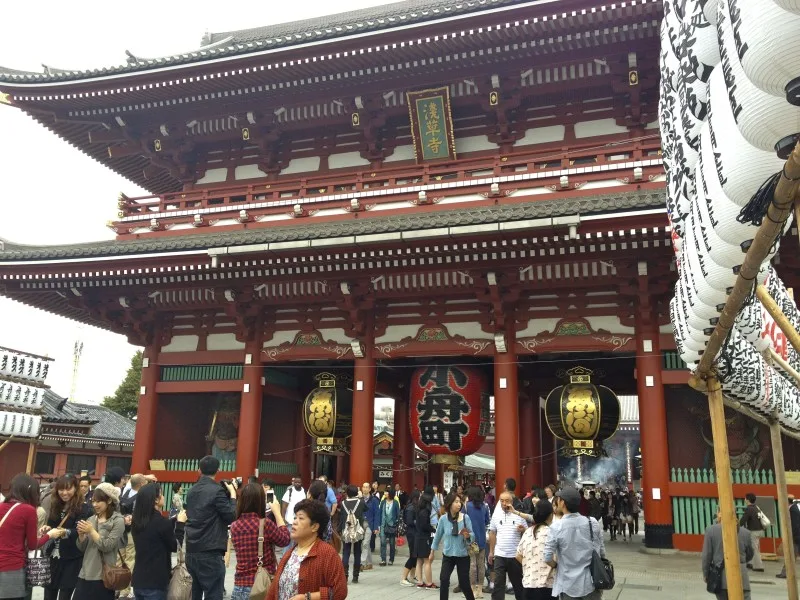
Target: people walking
(155, 539)
(390, 517)
(99, 538)
(635, 510)
(794, 516)
(177, 500)
(67, 508)
(537, 575)
(251, 524)
(480, 517)
(372, 525)
(311, 568)
(752, 521)
(422, 542)
(127, 502)
(505, 532)
(572, 542)
(352, 531)
(409, 517)
(19, 533)
(211, 508)
(713, 556)
(454, 533)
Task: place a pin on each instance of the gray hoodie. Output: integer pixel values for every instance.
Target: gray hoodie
(111, 532)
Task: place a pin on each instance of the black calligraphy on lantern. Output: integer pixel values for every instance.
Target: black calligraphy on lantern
(443, 407)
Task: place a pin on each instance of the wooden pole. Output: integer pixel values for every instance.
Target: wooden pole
(778, 359)
(6, 443)
(783, 509)
(31, 453)
(722, 459)
(780, 319)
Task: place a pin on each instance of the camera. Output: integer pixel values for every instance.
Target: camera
(236, 482)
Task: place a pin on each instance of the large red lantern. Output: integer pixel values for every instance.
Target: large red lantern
(449, 411)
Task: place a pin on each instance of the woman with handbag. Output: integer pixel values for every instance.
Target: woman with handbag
(18, 533)
(426, 519)
(255, 562)
(410, 519)
(155, 539)
(455, 534)
(537, 576)
(67, 508)
(390, 516)
(312, 569)
(99, 539)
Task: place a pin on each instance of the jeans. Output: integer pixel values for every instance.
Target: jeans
(411, 563)
(461, 564)
(356, 549)
(477, 567)
(241, 592)
(208, 575)
(129, 553)
(507, 567)
(367, 545)
(150, 594)
(538, 593)
(391, 540)
(56, 594)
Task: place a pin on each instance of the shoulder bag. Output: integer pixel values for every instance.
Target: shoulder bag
(714, 579)
(263, 579)
(37, 569)
(180, 582)
(601, 569)
(114, 577)
(764, 519)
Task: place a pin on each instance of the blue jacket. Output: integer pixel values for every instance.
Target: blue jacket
(480, 518)
(454, 545)
(372, 514)
(394, 514)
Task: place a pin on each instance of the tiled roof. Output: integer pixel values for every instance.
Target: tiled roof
(232, 43)
(308, 230)
(105, 424)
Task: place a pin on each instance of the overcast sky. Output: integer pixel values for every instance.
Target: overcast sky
(50, 193)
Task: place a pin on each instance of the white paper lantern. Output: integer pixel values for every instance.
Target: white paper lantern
(768, 43)
(19, 425)
(700, 44)
(681, 332)
(722, 253)
(790, 5)
(765, 121)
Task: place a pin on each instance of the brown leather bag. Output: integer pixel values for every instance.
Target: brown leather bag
(114, 577)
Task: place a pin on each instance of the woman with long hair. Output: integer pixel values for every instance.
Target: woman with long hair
(537, 575)
(155, 540)
(410, 519)
(455, 534)
(99, 539)
(67, 508)
(479, 515)
(390, 517)
(311, 566)
(18, 534)
(422, 542)
(250, 513)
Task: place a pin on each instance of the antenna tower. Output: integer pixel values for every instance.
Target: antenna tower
(77, 351)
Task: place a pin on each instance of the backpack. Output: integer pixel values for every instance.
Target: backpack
(353, 531)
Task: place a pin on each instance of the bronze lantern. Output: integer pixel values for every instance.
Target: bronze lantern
(582, 414)
(328, 414)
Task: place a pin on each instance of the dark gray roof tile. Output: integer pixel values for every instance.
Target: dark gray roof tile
(105, 424)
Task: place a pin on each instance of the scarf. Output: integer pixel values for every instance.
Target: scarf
(454, 521)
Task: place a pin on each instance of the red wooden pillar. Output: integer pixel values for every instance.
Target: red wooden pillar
(658, 528)
(361, 449)
(147, 413)
(250, 411)
(302, 444)
(530, 441)
(506, 415)
(403, 461)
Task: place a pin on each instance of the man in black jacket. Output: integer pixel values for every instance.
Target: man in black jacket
(794, 516)
(211, 509)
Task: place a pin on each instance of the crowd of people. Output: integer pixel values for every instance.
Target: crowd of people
(312, 543)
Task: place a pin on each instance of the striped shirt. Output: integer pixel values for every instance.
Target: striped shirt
(506, 528)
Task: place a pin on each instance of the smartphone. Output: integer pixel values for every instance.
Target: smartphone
(270, 497)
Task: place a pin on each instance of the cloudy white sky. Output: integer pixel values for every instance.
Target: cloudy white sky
(49, 192)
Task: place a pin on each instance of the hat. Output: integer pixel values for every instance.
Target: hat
(569, 495)
(110, 491)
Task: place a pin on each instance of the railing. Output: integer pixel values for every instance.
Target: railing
(277, 468)
(693, 516)
(673, 362)
(739, 476)
(290, 190)
(201, 373)
(265, 467)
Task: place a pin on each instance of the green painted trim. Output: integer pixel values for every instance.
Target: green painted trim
(201, 372)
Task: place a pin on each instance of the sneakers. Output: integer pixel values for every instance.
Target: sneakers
(383, 564)
(407, 583)
(457, 589)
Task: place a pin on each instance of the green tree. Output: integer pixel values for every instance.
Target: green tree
(125, 400)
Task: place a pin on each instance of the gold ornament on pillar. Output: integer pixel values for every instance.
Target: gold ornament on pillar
(328, 414)
(582, 414)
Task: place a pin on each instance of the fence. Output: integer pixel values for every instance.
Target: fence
(739, 476)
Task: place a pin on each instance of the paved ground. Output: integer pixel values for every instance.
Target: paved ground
(639, 577)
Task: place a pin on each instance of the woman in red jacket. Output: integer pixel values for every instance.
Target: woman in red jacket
(312, 570)
(18, 524)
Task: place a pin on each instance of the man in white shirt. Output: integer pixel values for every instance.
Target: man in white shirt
(505, 532)
(294, 494)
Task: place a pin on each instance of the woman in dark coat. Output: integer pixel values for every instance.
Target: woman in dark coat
(424, 537)
(66, 506)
